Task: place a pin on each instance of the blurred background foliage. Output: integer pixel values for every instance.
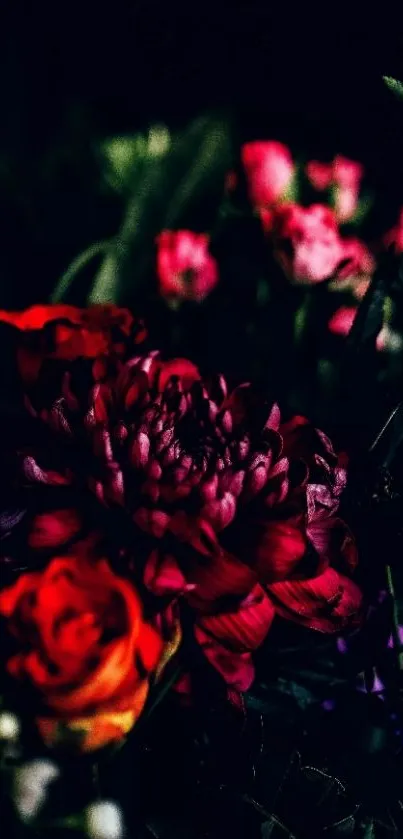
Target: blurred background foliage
(121, 122)
(80, 80)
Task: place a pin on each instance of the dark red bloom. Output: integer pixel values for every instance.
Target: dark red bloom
(269, 170)
(237, 511)
(68, 333)
(306, 242)
(185, 268)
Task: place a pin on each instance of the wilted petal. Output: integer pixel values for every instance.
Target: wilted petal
(326, 603)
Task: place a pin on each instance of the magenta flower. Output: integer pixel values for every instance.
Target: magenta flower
(307, 242)
(269, 170)
(345, 176)
(185, 268)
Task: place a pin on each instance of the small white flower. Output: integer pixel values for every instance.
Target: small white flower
(104, 820)
(9, 726)
(31, 783)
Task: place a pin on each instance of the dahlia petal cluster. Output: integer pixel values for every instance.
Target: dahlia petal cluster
(224, 518)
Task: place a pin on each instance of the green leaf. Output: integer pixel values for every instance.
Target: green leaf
(394, 85)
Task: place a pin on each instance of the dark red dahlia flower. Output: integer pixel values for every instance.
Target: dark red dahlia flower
(237, 512)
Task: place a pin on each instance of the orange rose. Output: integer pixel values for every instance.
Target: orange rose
(85, 649)
(66, 332)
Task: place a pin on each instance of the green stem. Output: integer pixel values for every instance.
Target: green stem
(76, 266)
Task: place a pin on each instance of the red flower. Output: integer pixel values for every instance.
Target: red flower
(307, 242)
(269, 170)
(83, 648)
(238, 510)
(185, 268)
(284, 551)
(67, 333)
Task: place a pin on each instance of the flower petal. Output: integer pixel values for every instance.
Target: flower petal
(236, 668)
(326, 603)
(246, 628)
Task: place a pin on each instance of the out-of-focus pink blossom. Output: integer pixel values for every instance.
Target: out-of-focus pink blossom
(269, 170)
(360, 259)
(307, 242)
(355, 275)
(185, 268)
(345, 175)
(319, 174)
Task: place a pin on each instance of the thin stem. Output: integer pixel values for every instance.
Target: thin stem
(76, 266)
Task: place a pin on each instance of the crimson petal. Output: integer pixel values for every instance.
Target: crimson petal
(245, 629)
(326, 603)
(236, 668)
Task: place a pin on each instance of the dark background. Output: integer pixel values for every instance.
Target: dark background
(72, 75)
